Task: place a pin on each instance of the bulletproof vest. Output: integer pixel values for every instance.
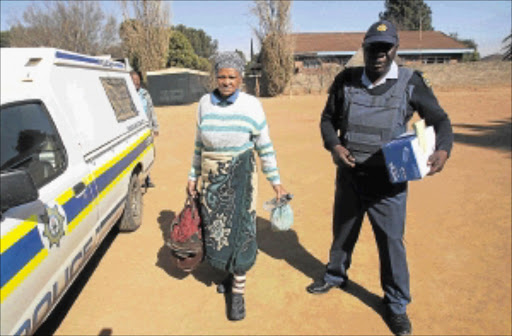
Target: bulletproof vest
(371, 121)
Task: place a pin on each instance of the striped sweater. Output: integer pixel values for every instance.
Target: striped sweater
(233, 129)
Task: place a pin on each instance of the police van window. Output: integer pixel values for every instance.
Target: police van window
(119, 97)
(30, 141)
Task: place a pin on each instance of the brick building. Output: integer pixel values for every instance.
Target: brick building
(313, 49)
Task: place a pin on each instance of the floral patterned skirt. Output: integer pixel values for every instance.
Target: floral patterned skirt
(228, 210)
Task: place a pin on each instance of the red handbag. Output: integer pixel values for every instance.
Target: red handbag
(186, 239)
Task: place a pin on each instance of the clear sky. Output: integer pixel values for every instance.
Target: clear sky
(231, 22)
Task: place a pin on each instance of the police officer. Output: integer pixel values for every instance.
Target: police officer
(369, 106)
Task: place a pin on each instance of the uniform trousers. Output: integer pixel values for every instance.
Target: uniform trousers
(367, 190)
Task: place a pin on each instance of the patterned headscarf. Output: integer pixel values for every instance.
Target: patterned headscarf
(229, 59)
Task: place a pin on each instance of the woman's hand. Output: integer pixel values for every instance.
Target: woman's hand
(191, 188)
(280, 191)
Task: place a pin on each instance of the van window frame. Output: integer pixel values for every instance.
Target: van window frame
(44, 109)
(120, 115)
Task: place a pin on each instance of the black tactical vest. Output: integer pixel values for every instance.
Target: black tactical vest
(372, 121)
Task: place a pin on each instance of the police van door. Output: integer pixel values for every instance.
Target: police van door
(45, 243)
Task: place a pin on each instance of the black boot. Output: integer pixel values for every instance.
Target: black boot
(399, 324)
(322, 287)
(236, 310)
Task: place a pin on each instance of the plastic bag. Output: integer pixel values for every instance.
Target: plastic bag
(281, 213)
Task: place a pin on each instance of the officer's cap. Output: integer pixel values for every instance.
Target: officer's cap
(381, 31)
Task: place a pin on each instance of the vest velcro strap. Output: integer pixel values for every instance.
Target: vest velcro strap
(357, 128)
(363, 148)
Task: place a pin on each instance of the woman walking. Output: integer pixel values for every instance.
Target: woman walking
(231, 126)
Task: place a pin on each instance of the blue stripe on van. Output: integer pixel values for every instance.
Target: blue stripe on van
(108, 176)
(18, 255)
(75, 205)
(90, 60)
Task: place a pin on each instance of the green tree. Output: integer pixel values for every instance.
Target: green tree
(507, 49)
(4, 39)
(468, 43)
(182, 55)
(408, 14)
(202, 43)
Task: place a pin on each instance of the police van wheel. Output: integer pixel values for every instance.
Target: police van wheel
(132, 216)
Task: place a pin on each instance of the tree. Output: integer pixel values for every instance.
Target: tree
(201, 42)
(79, 26)
(408, 14)
(276, 47)
(468, 43)
(146, 36)
(4, 39)
(507, 49)
(182, 55)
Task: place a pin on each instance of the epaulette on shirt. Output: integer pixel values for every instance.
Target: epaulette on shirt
(424, 78)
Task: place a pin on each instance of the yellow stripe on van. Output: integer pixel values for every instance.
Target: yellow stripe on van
(66, 196)
(16, 234)
(121, 155)
(124, 172)
(91, 177)
(78, 219)
(10, 286)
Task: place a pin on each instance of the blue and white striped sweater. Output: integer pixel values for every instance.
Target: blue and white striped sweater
(232, 130)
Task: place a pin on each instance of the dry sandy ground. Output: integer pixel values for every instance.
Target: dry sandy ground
(458, 239)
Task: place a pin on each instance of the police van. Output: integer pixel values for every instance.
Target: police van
(75, 148)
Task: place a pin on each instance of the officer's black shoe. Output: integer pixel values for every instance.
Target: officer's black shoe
(399, 324)
(225, 285)
(236, 310)
(321, 287)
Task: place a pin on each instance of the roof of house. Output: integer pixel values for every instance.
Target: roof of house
(175, 70)
(349, 43)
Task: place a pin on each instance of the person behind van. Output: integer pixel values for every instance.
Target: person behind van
(230, 126)
(147, 104)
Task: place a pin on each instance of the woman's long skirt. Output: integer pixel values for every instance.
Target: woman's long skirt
(228, 211)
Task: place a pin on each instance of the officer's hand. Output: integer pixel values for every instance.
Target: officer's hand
(191, 188)
(342, 157)
(436, 161)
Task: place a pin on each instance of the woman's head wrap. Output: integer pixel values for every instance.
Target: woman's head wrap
(229, 59)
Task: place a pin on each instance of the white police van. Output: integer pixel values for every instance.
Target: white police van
(75, 147)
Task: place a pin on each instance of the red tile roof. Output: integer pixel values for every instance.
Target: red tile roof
(346, 42)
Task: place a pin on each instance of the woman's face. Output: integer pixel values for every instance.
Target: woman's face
(228, 81)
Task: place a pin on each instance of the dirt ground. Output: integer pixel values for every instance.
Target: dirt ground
(458, 239)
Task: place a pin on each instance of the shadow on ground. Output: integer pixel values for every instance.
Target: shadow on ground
(55, 319)
(497, 134)
(282, 245)
(204, 272)
(285, 245)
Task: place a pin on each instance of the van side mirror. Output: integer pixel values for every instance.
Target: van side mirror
(16, 188)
